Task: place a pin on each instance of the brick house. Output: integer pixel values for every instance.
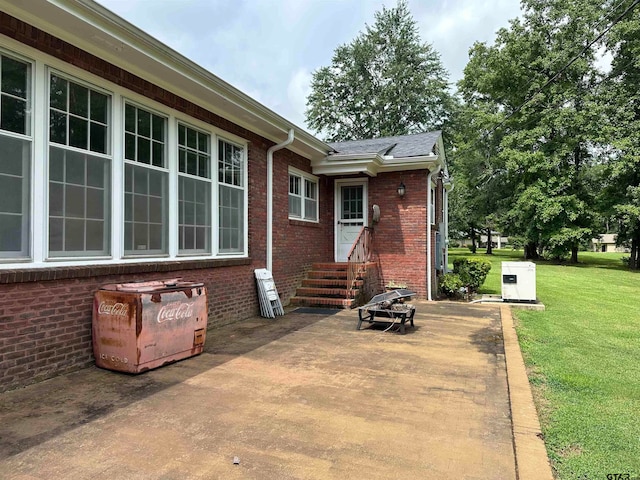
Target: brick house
(120, 159)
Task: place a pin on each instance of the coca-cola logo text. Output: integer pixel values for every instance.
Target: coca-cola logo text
(175, 311)
(115, 309)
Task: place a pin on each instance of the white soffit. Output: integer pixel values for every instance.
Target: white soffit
(100, 32)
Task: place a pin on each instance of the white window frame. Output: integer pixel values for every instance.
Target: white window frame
(41, 67)
(245, 198)
(107, 156)
(304, 178)
(26, 240)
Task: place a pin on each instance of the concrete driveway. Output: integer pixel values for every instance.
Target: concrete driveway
(304, 396)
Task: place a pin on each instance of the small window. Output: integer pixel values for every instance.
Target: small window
(303, 196)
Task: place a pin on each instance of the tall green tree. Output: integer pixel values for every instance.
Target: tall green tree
(620, 95)
(385, 82)
(543, 149)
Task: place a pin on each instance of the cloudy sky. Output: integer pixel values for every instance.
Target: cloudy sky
(269, 48)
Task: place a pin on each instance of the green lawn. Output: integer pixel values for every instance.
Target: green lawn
(583, 357)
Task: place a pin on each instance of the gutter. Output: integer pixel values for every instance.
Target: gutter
(270, 153)
(429, 220)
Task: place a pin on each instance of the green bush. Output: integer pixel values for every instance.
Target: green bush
(472, 271)
(450, 284)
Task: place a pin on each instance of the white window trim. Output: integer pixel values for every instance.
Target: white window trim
(310, 178)
(42, 65)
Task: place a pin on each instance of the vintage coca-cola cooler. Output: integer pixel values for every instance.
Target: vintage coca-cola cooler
(143, 325)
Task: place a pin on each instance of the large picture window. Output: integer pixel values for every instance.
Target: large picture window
(231, 181)
(145, 183)
(92, 173)
(194, 190)
(15, 157)
(303, 196)
(79, 170)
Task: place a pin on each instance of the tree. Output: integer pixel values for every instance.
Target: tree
(543, 148)
(385, 82)
(621, 98)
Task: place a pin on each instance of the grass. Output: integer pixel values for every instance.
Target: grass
(583, 358)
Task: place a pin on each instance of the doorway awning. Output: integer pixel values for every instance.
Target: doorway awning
(422, 151)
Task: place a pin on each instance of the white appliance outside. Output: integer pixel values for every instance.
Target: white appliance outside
(519, 281)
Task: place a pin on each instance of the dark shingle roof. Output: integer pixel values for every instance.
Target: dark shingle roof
(400, 146)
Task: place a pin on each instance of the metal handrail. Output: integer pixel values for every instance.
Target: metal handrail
(361, 252)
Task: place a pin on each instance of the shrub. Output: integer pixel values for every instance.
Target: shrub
(472, 271)
(450, 284)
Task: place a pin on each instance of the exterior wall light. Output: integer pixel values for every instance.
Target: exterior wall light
(401, 189)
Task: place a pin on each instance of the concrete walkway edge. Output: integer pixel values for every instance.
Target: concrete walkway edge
(532, 462)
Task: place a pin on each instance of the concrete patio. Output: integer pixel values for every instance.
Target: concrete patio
(304, 396)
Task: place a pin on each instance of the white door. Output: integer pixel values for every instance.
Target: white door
(351, 215)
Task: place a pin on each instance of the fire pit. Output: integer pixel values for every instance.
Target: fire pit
(388, 308)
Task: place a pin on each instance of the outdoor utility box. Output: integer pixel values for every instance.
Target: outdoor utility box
(519, 281)
(143, 325)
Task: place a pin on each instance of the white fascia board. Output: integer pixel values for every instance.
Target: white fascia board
(372, 164)
(348, 164)
(427, 162)
(122, 36)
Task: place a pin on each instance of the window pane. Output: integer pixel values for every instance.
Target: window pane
(13, 155)
(99, 105)
(145, 211)
(56, 165)
(78, 100)
(295, 206)
(11, 194)
(56, 199)
(130, 118)
(231, 215)
(95, 236)
(14, 77)
(75, 163)
(74, 235)
(144, 123)
(11, 233)
(129, 146)
(158, 128)
(158, 154)
(58, 93)
(310, 209)
(13, 118)
(98, 138)
(192, 163)
(15, 163)
(144, 150)
(78, 132)
(79, 203)
(74, 201)
(192, 139)
(95, 204)
(58, 127)
(55, 234)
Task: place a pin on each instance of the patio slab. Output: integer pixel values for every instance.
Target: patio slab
(301, 396)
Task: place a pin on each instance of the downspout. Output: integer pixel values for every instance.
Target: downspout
(446, 225)
(429, 220)
(270, 196)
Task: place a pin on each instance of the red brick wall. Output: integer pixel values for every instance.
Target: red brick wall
(45, 314)
(298, 244)
(401, 235)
